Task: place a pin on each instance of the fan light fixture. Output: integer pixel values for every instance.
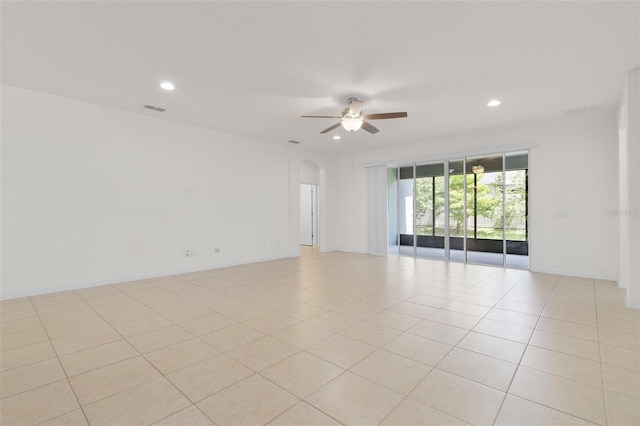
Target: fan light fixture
(352, 124)
(477, 169)
(352, 118)
(167, 85)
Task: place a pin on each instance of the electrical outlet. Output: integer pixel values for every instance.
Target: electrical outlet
(216, 250)
(188, 253)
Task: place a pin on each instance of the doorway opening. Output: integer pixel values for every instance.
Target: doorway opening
(308, 215)
(309, 204)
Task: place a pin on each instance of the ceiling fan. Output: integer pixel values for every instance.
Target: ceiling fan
(353, 118)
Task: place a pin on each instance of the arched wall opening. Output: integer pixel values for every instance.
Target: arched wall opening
(308, 168)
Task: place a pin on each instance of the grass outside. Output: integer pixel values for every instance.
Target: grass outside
(485, 233)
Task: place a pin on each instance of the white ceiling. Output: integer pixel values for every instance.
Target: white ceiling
(251, 68)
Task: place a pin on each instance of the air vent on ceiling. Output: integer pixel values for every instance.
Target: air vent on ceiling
(587, 109)
(293, 142)
(154, 108)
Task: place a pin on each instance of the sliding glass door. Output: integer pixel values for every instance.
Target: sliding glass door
(430, 201)
(406, 213)
(516, 210)
(458, 211)
(477, 214)
(485, 230)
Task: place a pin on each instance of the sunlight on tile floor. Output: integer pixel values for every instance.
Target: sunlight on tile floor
(325, 339)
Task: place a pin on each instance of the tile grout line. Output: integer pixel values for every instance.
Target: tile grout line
(61, 367)
(603, 382)
(377, 348)
(552, 374)
(450, 350)
(113, 363)
(150, 363)
(296, 396)
(143, 355)
(236, 360)
(506, 393)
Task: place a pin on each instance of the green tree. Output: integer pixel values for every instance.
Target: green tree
(486, 204)
(424, 196)
(515, 199)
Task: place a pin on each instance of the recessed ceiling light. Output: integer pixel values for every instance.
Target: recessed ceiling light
(167, 85)
(493, 103)
(336, 137)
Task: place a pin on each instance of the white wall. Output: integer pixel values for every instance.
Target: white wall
(392, 207)
(309, 173)
(93, 195)
(377, 187)
(573, 163)
(628, 212)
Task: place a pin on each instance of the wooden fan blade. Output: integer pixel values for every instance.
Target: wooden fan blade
(355, 108)
(369, 128)
(385, 115)
(328, 129)
(319, 116)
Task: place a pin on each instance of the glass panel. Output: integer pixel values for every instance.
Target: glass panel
(456, 210)
(516, 210)
(439, 196)
(405, 211)
(487, 217)
(430, 210)
(392, 211)
(424, 206)
(485, 234)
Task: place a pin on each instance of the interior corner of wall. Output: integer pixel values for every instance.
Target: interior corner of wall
(632, 304)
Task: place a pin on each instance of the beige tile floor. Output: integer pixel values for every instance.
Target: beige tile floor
(331, 339)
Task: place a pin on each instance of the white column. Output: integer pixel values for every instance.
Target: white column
(629, 188)
(377, 202)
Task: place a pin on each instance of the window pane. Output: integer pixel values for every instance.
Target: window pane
(405, 211)
(517, 209)
(485, 235)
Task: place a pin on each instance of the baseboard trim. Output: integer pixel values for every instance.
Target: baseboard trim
(575, 274)
(632, 304)
(120, 280)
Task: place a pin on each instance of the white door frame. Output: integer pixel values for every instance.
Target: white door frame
(312, 208)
